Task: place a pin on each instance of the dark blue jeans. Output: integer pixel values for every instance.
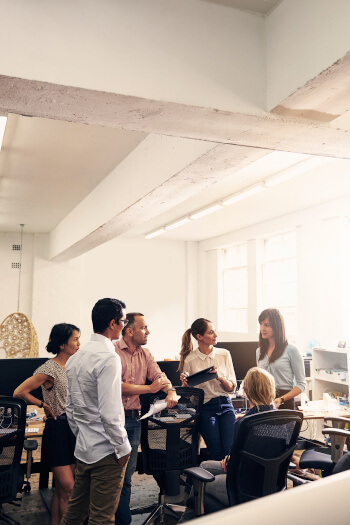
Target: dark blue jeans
(217, 422)
(123, 515)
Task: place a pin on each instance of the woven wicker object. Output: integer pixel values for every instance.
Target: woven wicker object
(18, 336)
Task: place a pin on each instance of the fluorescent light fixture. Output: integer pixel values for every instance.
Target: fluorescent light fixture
(155, 233)
(205, 211)
(244, 194)
(3, 121)
(294, 171)
(178, 223)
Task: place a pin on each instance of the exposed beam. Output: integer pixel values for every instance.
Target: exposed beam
(206, 170)
(265, 130)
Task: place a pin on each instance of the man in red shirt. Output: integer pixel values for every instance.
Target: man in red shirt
(138, 365)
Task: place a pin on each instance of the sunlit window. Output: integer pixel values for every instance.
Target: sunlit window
(233, 300)
(279, 277)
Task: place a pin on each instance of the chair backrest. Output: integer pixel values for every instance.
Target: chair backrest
(261, 453)
(12, 429)
(169, 440)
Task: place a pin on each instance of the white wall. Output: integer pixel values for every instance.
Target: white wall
(184, 51)
(322, 272)
(303, 38)
(9, 277)
(150, 277)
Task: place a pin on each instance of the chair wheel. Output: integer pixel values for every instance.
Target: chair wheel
(27, 489)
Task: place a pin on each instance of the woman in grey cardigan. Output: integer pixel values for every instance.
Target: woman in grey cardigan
(281, 359)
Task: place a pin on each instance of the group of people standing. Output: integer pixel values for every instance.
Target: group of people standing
(92, 402)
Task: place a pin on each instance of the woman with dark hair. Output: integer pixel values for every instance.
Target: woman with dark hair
(281, 359)
(218, 416)
(58, 439)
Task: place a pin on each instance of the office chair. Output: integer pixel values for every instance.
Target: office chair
(326, 457)
(12, 429)
(259, 459)
(169, 443)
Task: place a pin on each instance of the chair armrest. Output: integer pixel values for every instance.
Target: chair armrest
(338, 437)
(200, 478)
(336, 432)
(200, 474)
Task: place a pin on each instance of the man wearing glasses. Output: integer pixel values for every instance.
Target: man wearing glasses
(138, 365)
(96, 416)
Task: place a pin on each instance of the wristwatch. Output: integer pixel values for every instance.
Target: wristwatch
(42, 404)
(282, 400)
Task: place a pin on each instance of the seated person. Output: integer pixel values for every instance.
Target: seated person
(259, 388)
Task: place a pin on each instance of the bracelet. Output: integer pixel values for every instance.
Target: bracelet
(172, 388)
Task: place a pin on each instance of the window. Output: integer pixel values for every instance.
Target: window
(233, 309)
(279, 277)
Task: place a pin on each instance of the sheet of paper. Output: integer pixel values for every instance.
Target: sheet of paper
(158, 406)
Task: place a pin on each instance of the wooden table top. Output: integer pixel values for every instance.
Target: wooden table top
(320, 414)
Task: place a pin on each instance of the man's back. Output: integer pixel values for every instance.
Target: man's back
(93, 403)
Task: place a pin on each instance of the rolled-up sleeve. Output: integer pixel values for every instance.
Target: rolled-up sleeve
(153, 370)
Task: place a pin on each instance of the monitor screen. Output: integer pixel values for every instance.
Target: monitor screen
(15, 371)
(171, 370)
(243, 356)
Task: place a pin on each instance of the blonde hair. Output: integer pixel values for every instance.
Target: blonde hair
(259, 386)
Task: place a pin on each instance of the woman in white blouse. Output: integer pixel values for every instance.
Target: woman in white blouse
(218, 415)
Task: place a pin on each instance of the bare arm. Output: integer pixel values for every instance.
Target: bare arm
(129, 389)
(289, 395)
(30, 384)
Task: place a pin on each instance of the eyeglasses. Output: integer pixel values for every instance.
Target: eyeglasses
(124, 321)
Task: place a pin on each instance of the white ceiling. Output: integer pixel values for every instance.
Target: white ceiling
(48, 166)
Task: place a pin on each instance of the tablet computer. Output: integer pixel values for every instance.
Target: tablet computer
(201, 377)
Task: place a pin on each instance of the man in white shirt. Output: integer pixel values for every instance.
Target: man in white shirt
(96, 416)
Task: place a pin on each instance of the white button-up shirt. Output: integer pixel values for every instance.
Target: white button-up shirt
(94, 403)
(219, 357)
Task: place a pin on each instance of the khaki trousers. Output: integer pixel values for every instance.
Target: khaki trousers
(95, 493)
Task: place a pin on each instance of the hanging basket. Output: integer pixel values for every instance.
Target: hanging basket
(18, 336)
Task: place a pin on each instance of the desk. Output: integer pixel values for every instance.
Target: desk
(320, 414)
(314, 430)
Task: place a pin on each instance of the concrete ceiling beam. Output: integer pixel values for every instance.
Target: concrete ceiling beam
(266, 131)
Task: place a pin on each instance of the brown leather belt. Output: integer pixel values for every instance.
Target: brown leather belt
(132, 413)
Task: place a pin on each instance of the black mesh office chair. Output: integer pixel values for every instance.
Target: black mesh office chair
(169, 443)
(259, 458)
(326, 457)
(12, 429)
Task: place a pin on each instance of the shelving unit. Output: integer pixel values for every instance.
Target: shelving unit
(330, 371)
